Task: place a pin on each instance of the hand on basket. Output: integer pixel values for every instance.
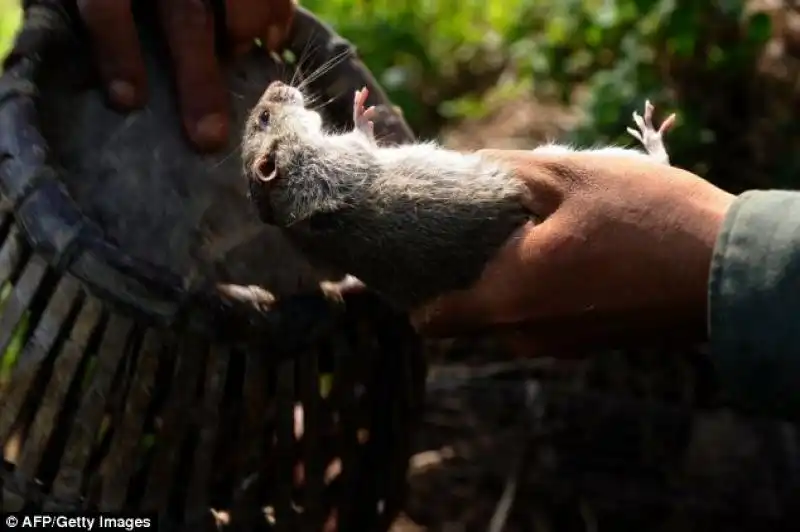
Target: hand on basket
(623, 253)
(188, 26)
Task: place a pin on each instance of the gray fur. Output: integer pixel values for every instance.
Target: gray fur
(137, 176)
(411, 221)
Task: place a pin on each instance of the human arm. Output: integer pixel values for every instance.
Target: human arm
(633, 252)
(601, 265)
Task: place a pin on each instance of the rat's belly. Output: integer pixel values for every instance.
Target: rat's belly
(412, 256)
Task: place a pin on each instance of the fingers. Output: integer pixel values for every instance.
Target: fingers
(647, 121)
(361, 96)
(635, 134)
(359, 100)
(648, 113)
(667, 125)
(362, 118)
(337, 290)
(358, 105)
(115, 45)
(640, 122)
(189, 30)
(265, 20)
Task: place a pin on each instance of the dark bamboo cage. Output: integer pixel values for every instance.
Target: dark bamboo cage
(131, 382)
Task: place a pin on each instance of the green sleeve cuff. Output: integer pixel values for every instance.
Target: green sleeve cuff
(754, 303)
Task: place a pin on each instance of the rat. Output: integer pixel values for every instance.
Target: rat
(411, 222)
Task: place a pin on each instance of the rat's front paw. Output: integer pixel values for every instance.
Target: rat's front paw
(361, 116)
(651, 138)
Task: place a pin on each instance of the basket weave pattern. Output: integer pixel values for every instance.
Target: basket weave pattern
(126, 391)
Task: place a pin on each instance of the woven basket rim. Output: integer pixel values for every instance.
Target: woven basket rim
(69, 241)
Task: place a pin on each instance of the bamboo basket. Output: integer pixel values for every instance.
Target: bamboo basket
(130, 381)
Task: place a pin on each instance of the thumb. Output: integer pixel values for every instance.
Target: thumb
(115, 45)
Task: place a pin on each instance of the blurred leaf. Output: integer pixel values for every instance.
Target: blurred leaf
(759, 28)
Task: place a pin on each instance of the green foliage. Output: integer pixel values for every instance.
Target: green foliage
(9, 21)
(440, 60)
(428, 54)
(624, 52)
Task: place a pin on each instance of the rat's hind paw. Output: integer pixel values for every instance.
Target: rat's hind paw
(652, 139)
(362, 117)
(336, 290)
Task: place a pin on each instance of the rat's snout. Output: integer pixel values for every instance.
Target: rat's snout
(280, 92)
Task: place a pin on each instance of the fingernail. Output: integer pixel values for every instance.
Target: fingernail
(122, 93)
(210, 131)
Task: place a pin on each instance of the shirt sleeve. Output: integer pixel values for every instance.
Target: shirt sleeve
(754, 303)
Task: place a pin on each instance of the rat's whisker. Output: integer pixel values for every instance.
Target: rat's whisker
(324, 68)
(336, 96)
(323, 104)
(305, 54)
(327, 66)
(311, 98)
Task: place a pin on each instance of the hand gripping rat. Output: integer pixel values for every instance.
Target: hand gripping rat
(411, 222)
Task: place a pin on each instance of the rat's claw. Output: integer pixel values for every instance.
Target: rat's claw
(640, 123)
(635, 134)
(358, 104)
(651, 139)
(667, 124)
(360, 99)
(336, 290)
(648, 113)
(361, 116)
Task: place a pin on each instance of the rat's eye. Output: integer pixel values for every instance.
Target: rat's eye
(263, 119)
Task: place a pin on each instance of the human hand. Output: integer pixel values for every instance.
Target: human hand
(623, 253)
(188, 26)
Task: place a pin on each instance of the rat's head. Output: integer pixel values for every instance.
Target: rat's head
(280, 136)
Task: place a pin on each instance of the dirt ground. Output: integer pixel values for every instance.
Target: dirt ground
(520, 124)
